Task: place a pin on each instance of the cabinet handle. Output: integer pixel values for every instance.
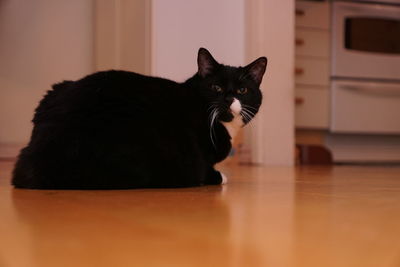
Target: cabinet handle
(299, 71)
(377, 90)
(299, 100)
(299, 12)
(299, 42)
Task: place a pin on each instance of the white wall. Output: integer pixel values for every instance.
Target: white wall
(41, 42)
(279, 83)
(236, 32)
(271, 32)
(180, 27)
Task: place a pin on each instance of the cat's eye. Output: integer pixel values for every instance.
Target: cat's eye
(217, 89)
(242, 91)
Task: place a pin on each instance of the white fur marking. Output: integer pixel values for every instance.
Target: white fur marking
(224, 178)
(236, 107)
(233, 126)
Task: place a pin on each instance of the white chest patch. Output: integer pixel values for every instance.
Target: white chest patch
(233, 126)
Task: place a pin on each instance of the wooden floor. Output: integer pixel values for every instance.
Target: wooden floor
(316, 216)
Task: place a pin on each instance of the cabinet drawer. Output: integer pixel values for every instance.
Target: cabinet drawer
(312, 43)
(312, 14)
(312, 71)
(312, 108)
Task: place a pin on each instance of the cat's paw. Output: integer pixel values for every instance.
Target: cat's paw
(224, 178)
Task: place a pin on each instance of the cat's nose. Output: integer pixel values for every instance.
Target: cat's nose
(229, 99)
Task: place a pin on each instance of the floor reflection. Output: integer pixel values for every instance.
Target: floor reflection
(261, 203)
(102, 228)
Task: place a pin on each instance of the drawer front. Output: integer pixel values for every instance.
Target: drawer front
(312, 71)
(312, 14)
(312, 108)
(312, 43)
(365, 107)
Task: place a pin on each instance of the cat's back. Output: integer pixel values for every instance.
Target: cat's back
(102, 92)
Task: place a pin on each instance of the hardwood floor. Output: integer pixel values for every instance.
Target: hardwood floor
(265, 216)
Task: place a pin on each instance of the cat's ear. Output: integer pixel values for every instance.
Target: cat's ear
(256, 69)
(205, 62)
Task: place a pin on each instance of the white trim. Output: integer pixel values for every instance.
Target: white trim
(270, 32)
(153, 41)
(117, 41)
(117, 33)
(148, 37)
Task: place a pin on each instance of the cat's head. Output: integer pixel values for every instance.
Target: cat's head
(230, 91)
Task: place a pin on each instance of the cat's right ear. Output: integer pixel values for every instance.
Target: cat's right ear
(205, 62)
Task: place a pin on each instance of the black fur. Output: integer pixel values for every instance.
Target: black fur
(118, 129)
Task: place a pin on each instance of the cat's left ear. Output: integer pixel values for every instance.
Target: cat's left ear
(256, 69)
(205, 62)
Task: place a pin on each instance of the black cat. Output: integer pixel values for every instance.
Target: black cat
(119, 130)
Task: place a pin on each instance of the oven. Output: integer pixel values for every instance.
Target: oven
(366, 40)
(365, 70)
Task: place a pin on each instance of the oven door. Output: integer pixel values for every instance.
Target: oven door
(379, 1)
(365, 107)
(366, 40)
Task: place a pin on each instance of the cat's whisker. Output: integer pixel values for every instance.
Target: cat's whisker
(243, 116)
(212, 106)
(247, 115)
(246, 118)
(210, 115)
(249, 123)
(249, 107)
(251, 115)
(213, 119)
(248, 111)
(244, 113)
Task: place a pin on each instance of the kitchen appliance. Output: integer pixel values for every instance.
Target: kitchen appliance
(365, 107)
(366, 41)
(365, 72)
(364, 124)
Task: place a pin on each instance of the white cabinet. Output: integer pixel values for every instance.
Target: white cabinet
(312, 43)
(312, 107)
(312, 61)
(312, 71)
(311, 14)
